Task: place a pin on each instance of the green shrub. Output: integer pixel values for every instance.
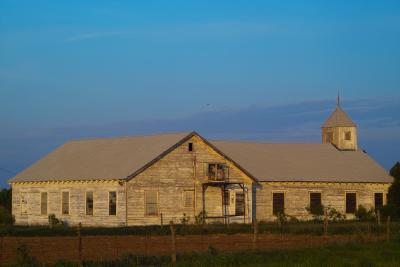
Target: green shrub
(5, 217)
(317, 211)
(185, 219)
(362, 214)
(53, 220)
(200, 218)
(334, 215)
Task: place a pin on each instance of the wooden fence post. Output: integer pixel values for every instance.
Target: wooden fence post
(388, 229)
(79, 243)
(173, 242)
(325, 223)
(255, 234)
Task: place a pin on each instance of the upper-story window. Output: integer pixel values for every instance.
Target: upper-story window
(347, 136)
(217, 172)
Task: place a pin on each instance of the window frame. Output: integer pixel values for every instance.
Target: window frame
(347, 135)
(86, 202)
(244, 203)
(284, 201)
(383, 202)
(69, 203)
(345, 202)
(314, 192)
(157, 203)
(190, 147)
(184, 198)
(116, 202)
(47, 203)
(217, 164)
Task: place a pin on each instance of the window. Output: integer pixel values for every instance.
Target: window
(378, 201)
(217, 172)
(112, 203)
(347, 136)
(351, 202)
(43, 203)
(151, 203)
(329, 137)
(239, 204)
(315, 201)
(89, 203)
(24, 203)
(190, 147)
(226, 198)
(278, 203)
(65, 203)
(188, 199)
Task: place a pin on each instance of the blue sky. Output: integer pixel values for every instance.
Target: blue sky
(71, 69)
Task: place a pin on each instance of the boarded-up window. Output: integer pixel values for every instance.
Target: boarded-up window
(89, 203)
(43, 203)
(65, 203)
(239, 204)
(278, 203)
(378, 200)
(24, 203)
(315, 201)
(347, 136)
(151, 203)
(112, 203)
(217, 172)
(351, 202)
(188, 199)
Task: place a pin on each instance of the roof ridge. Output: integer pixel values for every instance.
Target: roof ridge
(128, 136)
(262, 142)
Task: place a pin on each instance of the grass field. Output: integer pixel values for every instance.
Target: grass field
(349, 254)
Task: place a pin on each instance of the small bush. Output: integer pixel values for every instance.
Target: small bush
(200, 218)
(5, 217)
(362, 214)
(334, 215)
(185, 219)
(317, 211)
(53, 220)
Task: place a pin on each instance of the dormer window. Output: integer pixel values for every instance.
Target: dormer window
(347, 136)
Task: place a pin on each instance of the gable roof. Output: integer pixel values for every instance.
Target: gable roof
(338, 118)
(102, 158)
(303, 162)
(124, 158)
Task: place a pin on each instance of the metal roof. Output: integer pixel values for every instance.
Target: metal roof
(123, 158)
(338, 118)
(303, 162)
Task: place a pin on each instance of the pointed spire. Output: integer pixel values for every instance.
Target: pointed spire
(338, 100)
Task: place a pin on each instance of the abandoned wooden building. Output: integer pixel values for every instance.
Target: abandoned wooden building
(146, 180)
